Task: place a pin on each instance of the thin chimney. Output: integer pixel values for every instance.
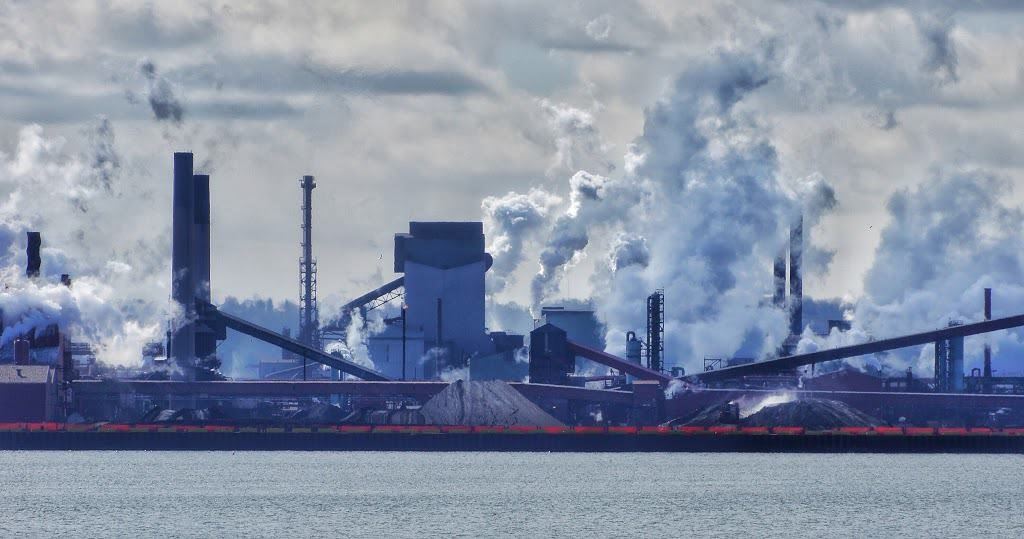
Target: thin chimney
(796, 282)
(34, 263)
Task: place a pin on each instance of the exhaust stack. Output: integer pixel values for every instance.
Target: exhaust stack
(205, 340)
(987, 371)
(779, 298)
(182, 263)
(796, 280)
(34, 262)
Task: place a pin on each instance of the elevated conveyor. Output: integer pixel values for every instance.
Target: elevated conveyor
(843, 352)
(212, 316)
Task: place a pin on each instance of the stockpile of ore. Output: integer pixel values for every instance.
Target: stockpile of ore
(812, 414)
(719, 414)
(319, 413)
(491, 403)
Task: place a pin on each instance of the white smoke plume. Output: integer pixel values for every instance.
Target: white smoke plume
(950, 238)
(117, 301)
(700, 209)
(357, 336)
(628, 250)
(715, 213)
(596, 203)
(509, 222)
(578, 144)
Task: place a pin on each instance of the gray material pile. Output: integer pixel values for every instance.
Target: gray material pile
(491, 403)
(320, 413)
(812, 414)
(719, 414)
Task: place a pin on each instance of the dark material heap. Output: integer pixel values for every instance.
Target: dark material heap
(491, 403)
(812, 414)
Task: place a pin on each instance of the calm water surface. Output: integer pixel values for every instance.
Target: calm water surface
(190, 494)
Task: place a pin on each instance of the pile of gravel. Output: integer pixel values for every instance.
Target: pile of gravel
(490, 403)
(812, 414)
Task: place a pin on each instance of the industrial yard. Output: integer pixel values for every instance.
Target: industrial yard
(439, 379)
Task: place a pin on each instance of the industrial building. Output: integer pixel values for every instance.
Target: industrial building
(439, 335)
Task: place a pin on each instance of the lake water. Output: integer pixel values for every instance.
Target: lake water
(286, 494)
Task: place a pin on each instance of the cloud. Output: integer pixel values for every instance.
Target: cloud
(165, 104)
(396, 81)
(942, 58)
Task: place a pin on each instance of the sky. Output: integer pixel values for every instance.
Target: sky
(894, 126)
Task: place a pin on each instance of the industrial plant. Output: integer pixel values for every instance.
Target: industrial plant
(438, 378)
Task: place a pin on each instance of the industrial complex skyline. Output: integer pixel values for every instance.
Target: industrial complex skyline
(561, 129)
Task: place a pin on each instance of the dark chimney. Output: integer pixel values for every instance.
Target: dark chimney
(65, 279)
(779, 299)
(35, 241)
(796, 282)
(987, 371)
(206, 341)
(201, 237)
(182, 273)
(21, 352)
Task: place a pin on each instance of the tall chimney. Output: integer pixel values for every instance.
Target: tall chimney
(796, 282)
(206, 343)
(182, 274)
(987, 371)
(779, 299)
(35, 241)
(309, 318)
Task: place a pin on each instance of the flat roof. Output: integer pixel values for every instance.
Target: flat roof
(25, 374)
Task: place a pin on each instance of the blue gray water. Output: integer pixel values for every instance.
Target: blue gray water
(266, 494)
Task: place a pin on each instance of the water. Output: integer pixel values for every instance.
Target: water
(267, 494)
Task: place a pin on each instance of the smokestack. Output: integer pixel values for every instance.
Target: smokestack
(309, 319)
(35, 241)
(796, 282)
(21, 353)
(182, 274)
(65, 279)
(779, 299)
(201, 237)
(206, 343)
(440, 338)
(987, 371)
